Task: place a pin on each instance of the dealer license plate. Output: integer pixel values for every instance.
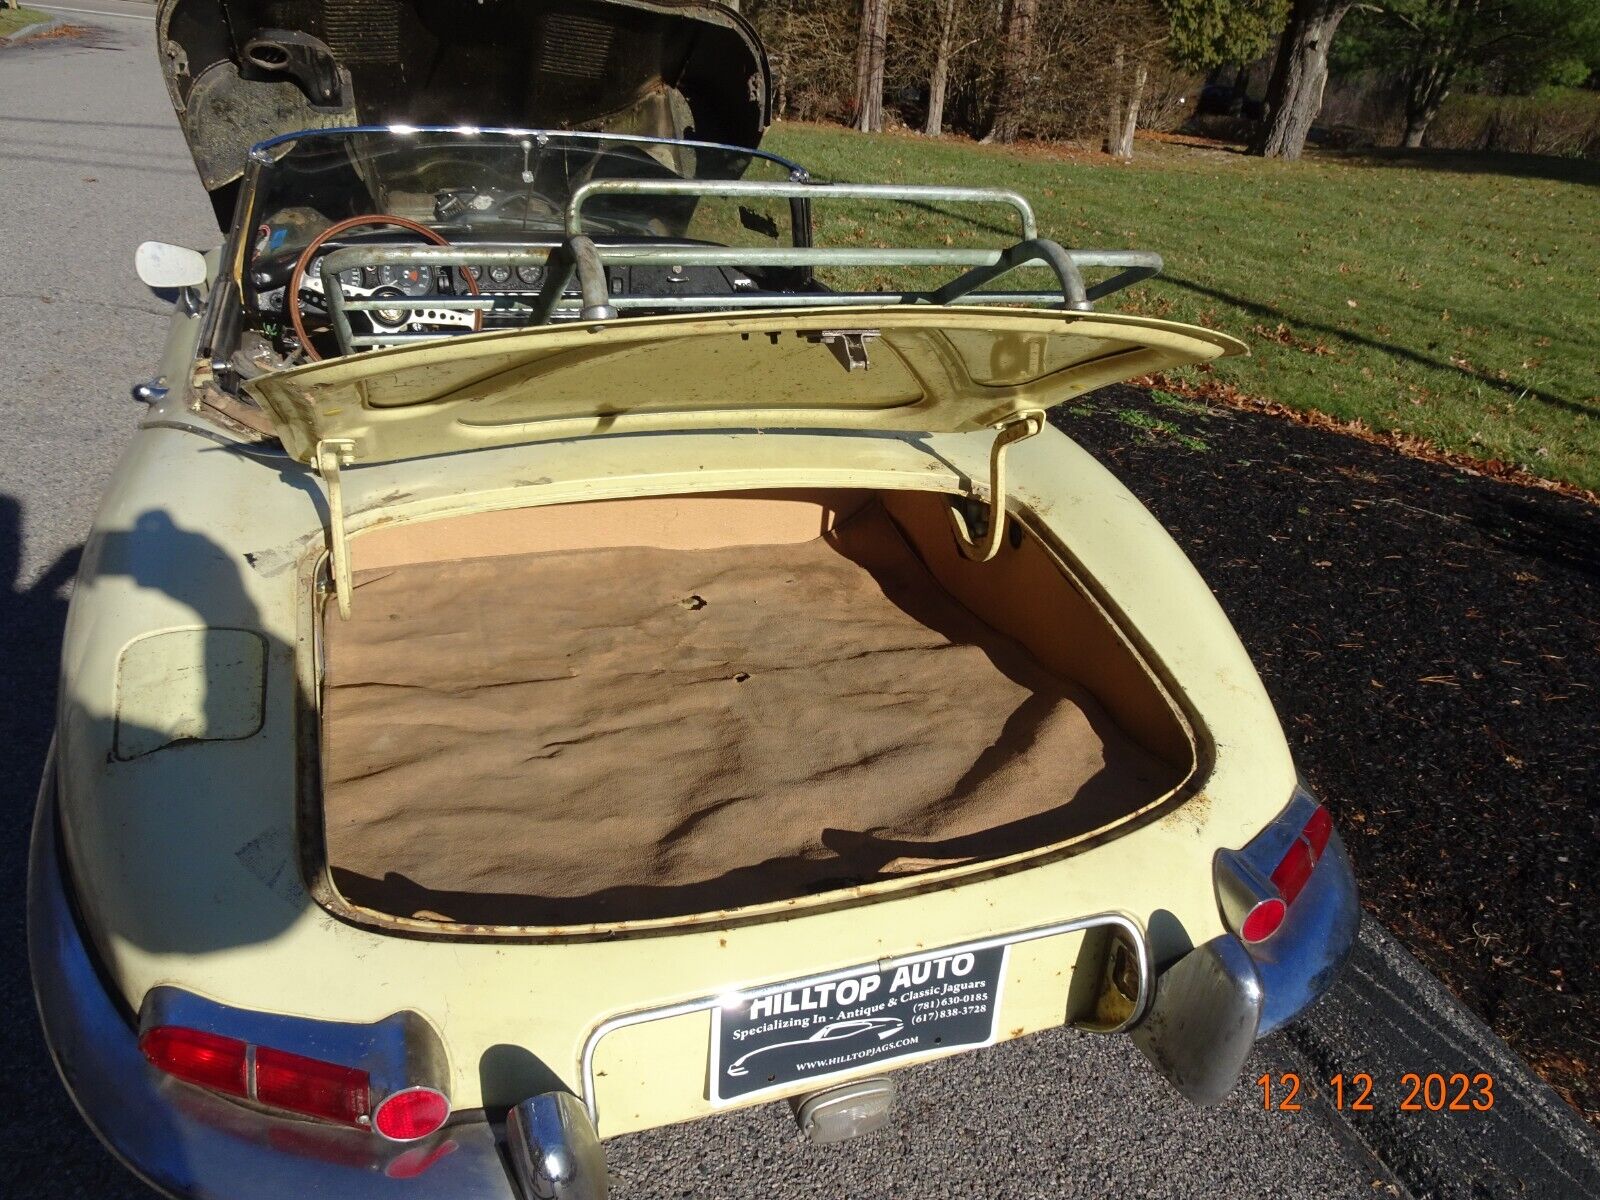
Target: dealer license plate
(811, 1030)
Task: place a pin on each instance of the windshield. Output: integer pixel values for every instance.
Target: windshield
(498, 183)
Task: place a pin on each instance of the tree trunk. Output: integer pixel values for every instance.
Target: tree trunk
(939, 81)
(1114, 103)
(1130, 114)
(1016, 62)
(1294, 95)
(1427, 86)
(870, 54)
(1122, 110)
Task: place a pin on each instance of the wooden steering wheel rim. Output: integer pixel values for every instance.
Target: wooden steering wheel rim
(303, 264)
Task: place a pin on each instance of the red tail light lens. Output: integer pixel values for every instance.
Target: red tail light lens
(1317, 831)
(207, 1059)
(1263, 920)
(310, 1086)
(411, 1114)
(277, 1079)
(1293, 871)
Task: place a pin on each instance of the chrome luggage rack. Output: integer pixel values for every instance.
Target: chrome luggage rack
(580, 257)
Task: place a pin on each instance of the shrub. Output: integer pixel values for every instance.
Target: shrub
(1564, 122)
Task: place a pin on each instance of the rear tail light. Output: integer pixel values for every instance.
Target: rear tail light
(1256, 900)
(1292, 871)
(411, 1114)
(309, 1087)
(1317, 831)
(1263, 920)
(194, 1056)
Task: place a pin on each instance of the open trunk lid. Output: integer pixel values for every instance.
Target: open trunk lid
(908, 369)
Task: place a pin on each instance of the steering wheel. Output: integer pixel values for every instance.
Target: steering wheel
(314, 248)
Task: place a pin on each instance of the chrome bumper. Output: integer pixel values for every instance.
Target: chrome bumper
(184, 1142)
(1213, 1004)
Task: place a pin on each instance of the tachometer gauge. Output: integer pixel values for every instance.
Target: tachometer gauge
(532, 276)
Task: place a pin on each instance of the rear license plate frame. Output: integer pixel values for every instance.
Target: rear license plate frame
(778, 1037)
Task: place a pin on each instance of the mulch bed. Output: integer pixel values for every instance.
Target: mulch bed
(1431, 639)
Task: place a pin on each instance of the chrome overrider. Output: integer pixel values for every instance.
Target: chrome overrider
(1208, 1009)
(554, 1150)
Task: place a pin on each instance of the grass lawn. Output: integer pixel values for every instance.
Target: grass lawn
(1452, 298)
(13, 19)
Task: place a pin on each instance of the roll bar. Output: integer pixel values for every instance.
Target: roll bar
(575, 283)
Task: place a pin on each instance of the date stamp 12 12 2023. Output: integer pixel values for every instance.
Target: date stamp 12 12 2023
(1418, 1091)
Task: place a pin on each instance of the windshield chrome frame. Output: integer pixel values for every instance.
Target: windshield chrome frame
(261, 150)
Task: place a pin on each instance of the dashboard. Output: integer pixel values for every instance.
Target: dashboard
(515, 284)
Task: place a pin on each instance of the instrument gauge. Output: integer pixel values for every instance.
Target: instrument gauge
(500, 274)
(531, 276)
(472, 273)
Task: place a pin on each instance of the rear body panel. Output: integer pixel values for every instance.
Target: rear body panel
(188, 858)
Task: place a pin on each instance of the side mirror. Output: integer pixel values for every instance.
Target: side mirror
(171, 272)
(164, 267)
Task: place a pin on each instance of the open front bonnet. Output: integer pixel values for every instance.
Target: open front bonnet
(933, 370)
(242, 71)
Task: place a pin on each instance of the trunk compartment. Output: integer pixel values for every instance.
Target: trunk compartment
(668, 707)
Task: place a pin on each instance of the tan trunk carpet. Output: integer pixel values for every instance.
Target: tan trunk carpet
(616, 734)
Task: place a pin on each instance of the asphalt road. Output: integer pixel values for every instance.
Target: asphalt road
(91, 163)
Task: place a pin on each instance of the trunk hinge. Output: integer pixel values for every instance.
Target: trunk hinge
(333, 453)
(1018, 428)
